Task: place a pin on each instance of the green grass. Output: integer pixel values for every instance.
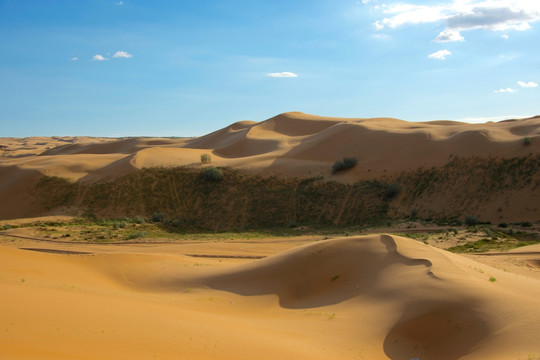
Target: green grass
(487, 245)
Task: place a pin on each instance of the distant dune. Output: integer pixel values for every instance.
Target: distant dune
(290, 145)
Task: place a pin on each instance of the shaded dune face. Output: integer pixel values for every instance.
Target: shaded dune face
(329, 272)
(436, 331)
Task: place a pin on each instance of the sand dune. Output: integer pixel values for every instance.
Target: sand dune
(372, 297)
(288, 145)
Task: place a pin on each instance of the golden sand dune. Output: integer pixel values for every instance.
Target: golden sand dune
(371, 297)
(289, 144)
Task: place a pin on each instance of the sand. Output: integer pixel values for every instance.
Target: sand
(368, 297)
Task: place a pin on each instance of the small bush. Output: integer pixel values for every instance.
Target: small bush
(212, 174)
(346, 163)
(158, 217)
(138, 220)
(6, 227)
(492, 279)
(471, 220)
(503, 225)
(414, 213)
(206, 158)
(138, 234)
(527, 141)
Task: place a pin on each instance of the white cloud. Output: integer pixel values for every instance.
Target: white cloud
(505, 36)
(440, 55)
(463, 15)
(507, 90)
(284, 74)
(449, 36)
(493, 118)
(122, 54)
(120, 3)
(99, 58)
(529, 84)
(74, 58)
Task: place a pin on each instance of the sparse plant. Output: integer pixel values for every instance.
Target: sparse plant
(138, 234)
(414, 213)
(158, 217)
(212, 174)
(206, 158)
(335, 277)
(492, 279)
(346, 163)
(526, 141)
(138, 220)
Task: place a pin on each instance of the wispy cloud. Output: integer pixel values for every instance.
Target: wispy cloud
(99, 57)
(463, 15)
(440, 55)
(120, 3)
(529, 84)
(74, 58)
(122, 54)
(505, 36)
(493, 118)
(507, 90)
(284, 74)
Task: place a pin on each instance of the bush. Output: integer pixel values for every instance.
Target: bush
(138, 234)
(212, 174)
(158, 217)
(138, 220)
(206, 158)
(527, 141)
(503, 225)
(346, 163)
(471, 220)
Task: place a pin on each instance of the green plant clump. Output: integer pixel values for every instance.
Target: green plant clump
(212, 174)
(206, 158)
(527, 141)
(346, 163)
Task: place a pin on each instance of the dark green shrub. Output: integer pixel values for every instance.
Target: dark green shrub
(503, 225)
(527, 141)
(206, 158)
(212, 174)
(158, 217)
(346, 163)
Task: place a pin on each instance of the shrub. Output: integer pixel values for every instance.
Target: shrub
(527, 141)
(346, 163)
(206, 158)
(212, 174)
(138, 220)
(138, 234)
(503, 225)
(158, 217)
(471, 220)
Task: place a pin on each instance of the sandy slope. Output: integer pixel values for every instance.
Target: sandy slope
(290, 144)
(372, 297)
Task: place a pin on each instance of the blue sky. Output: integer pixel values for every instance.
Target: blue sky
(186, 67)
